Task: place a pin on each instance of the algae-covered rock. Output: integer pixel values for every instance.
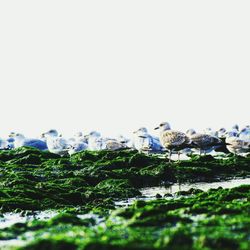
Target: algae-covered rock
(158, 224)
(118, 188)
(51, 244)
(65, 218)
(176, 239)
(38, 180)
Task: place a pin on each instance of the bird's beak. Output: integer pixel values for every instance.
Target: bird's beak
(141, 136)
(156, 128)
(11, 135)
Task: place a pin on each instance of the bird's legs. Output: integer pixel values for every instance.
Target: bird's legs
(179, 153)
(235, 157)
(169, 157)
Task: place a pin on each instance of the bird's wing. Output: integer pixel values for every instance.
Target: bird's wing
(202, 139)
(174, 138)
(236, 142)
(35, 143)
(113, 145)
(61, 143)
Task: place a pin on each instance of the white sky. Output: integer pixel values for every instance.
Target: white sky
(114, 66)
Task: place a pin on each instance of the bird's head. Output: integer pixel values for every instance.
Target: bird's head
(163, 126)
(50, 133)
(190, 132)
(16, 136)
(94, 134)
(235, 127)
(231, 134)
(140, 131)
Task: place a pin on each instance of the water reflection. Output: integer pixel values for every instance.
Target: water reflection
(150, 193)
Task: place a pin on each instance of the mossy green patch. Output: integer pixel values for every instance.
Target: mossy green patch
(37, 180)
(205, 220)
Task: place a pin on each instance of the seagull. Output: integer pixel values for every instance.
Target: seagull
(144, 142)
(56, 144)
(112, 144)
(140, 139)
(237, 145)
(125, 141)
(245, 134)
(235, 128)
(172, 139)
(3, 144)
(209, 131)
(20, 141)
(95, 141)
(221, 133)
(79, 137)
(10, 141)
(204, 142)
(77, 146)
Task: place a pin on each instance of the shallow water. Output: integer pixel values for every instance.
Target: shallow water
(9, 244)
(9, 219)
(149, 193)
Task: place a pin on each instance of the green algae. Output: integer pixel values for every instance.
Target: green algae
(91, 182)
(37, 180)
(180, 223)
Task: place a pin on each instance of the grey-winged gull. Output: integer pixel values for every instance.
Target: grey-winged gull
(76, 147)
(204, 142)
(56, 144)
(144, 142)
(237, 145)
(95, 141)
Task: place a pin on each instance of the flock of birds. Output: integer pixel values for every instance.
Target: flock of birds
(172, 141)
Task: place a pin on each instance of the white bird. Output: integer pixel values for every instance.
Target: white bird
(210, 131)
(245, 134)
(221, 133)
(173, 140)
(144, 142)
(77, 138)
(10, 140)
(140, 140)
(3, 144)
(235, 128)
(20, 140)
(95, 141)
(56, 144)
(77, 146)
